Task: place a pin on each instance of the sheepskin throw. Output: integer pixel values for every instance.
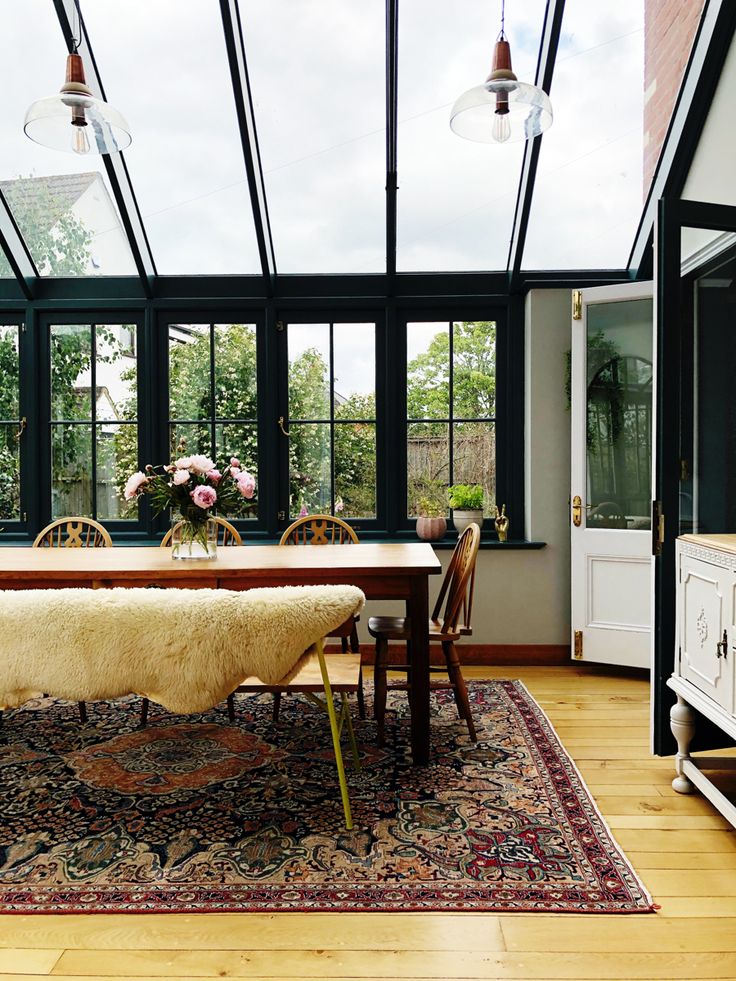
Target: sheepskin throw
(186, 649)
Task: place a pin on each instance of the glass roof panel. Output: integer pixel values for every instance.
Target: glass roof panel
(456, 198)
(588, 193)
(317, 74)
(62, 202)
(164, 66)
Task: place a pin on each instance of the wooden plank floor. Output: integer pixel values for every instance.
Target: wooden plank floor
(683, 850)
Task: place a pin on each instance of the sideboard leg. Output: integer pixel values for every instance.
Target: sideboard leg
(682, 724)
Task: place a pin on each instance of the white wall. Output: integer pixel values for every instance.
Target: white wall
(523, 597)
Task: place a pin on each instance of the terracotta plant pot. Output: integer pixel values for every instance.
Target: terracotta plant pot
(431, 529)
(461, 519)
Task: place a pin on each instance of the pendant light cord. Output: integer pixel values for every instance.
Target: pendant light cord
(76, 41)
(502, 32)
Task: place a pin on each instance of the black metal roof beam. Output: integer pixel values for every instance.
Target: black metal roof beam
(16, 251)
(117, 171)
(543, 78)
(710, 48)
(249, 138)
(392, 126)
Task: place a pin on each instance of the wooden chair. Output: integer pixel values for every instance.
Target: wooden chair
(227, 534)
(444, 628)
(74, 533)
(324, 529)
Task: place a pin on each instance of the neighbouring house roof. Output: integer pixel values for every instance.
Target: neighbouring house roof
(59, 193)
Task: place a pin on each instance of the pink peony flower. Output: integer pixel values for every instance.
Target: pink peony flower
(181, 477)
(203, 496)
(214, 475)
(134, 484)
(183, 463)
(234, 471)
(234, 461)
(339, 505)
(303, 511)
(246, 484)
(200, 463)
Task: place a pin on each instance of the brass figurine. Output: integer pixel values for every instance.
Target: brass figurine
(502, 523)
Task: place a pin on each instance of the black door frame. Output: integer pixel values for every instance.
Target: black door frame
(673, 361)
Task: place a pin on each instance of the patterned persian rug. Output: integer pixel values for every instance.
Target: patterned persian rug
(194, 814)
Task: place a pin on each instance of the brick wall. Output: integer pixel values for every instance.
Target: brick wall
(669, 30)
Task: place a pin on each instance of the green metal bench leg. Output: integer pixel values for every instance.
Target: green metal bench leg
(345, 715)
(335, 738)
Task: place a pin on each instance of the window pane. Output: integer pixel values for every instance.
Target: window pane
(474, 459)
(592, 155)
(309, 469)
(62, 202)
(239, 440)
(354, 352)
(320, 113)
(235, 371)
(187, 439)
(9, 372)
(428, 370)
(9, 416)
(474, 370)
(456, 198)
(428, 463)
(355, 470)
(189, 371)
(309, 371)
(117, 459)
(186, 158)
(9, 472)
(71, 470)
(71, 358)
(116, 375)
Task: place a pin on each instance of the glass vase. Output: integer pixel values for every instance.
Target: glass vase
(193, 539)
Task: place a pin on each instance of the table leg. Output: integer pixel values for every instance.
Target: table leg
(418, 612)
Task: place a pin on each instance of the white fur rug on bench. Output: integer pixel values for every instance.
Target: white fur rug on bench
(186, 649)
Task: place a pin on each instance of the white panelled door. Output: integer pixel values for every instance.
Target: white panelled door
(611, 539)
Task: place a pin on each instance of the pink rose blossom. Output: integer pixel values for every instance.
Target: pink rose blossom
(234, 461)
(181, 477)
(203, 496)
(214, 475)
(200, 463)
(134, 484)
(246, 484)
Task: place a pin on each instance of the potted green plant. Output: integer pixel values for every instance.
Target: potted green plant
(432, 519)
(466, 501)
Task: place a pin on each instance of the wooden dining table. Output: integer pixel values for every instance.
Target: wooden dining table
(396, 571)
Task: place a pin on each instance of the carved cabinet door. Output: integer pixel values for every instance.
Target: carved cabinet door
(706, 628)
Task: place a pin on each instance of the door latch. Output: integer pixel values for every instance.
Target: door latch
(657, 528)
(722, 646)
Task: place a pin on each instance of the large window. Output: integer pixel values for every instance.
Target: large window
(213, 394)
(332, 418)
(93, 421)
(451, 410)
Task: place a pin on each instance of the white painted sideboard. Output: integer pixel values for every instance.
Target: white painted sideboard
(704, 677)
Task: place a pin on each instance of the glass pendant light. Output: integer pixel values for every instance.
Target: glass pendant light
(502, 109)
(75, 120)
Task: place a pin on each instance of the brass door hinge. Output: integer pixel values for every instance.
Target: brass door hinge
(280, 325)
(281, 515)
(578, 648)
(657, 528)
(577, 304)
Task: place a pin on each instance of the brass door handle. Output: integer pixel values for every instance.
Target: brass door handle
(22, 429)
(285, 432)
(577, 510)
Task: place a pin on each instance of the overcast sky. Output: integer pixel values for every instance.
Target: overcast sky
(317, 76)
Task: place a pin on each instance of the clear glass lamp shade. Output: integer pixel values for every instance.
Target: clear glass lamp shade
(49, 122)
(475, 115)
